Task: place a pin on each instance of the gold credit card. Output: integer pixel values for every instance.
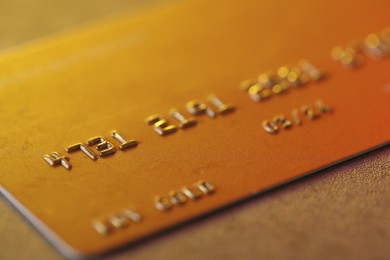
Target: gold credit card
(118, 130)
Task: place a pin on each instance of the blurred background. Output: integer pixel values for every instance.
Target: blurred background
(24, 20)
(342, 212)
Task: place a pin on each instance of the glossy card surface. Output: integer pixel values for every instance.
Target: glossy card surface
(126, 127)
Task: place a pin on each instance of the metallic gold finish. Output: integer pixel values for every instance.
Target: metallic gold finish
(56, 158)
(161, 58)
(267, 79)
(283, 72)
(177, 198)
(118, 221)
(277, 89)
(197, 107)
(246, 84)
(132, 215)
(376, 47)
(105, 148)
(270, 127)
(282, 121)
(183, 121)
(151, 120)
(257, 92)
(373, 41)
(52, 160)
(291, 75)
(205, 186)
(272, 84)
(95, 140)
(294, 77)
(163, 128)
(102, 146)
(309, 69)
(160, 125)
(349, 57)
(221, 107)
(162, 203)
(101, 227)
(124, 145)
(83, 148)
(192, 193)
(309, 112)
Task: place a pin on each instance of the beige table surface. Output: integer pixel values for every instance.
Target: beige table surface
(339, 213)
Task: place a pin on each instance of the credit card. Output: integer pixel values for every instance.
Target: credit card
(124, 128)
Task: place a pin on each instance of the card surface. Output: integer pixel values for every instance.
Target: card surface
(127, 127)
